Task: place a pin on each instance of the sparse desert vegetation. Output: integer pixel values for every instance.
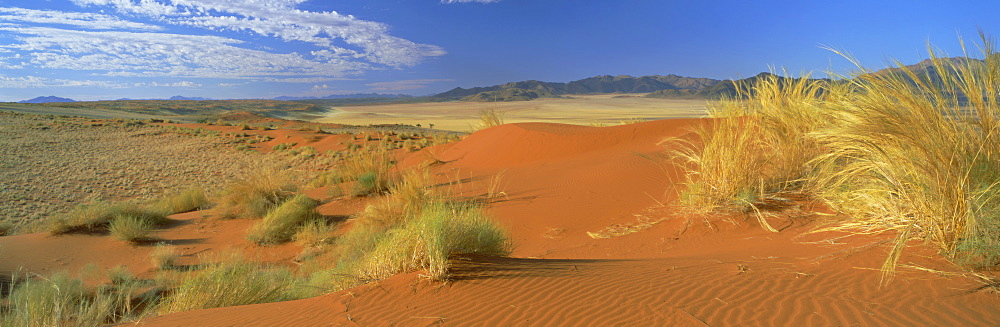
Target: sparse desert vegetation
(400, 217)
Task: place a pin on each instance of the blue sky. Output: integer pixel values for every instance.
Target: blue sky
(110, 49)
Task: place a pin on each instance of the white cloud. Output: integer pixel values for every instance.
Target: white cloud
(467, 1)
(146, 7)
(176, 84)
(133, 54)
(281, 19)
(114, 44)
(23, 82)
(302, 79)
(404, 85)
(85, 20)
(320, 87)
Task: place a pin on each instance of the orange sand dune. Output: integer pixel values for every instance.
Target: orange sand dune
(750, 280)
(560, 182)
(553, 187)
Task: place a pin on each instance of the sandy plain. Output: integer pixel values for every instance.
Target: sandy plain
(606, 109)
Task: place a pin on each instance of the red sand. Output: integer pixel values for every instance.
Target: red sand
(558, 183)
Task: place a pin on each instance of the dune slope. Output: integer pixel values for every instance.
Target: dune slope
(659, 265)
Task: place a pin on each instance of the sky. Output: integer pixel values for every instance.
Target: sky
(238, 49)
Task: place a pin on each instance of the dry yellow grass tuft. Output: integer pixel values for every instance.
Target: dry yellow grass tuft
(256, 194)
(897, 149)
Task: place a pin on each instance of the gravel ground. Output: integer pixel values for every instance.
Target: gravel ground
(50, 164)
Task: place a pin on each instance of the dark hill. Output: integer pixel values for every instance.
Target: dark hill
(510, 94)
(597, 84)
(47, 99)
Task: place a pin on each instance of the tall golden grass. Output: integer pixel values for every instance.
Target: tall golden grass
(60, 300)
(489, 116)
(228, 281)
(258, 193)
(896, 150)
(370, 167)
(756, 147)
(918, 153)
(412, 228)
(281, 224)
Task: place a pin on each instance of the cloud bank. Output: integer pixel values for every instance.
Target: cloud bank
(154, 38)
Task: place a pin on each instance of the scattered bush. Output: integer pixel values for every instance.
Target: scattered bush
(489, 117)
(6, 228)
(315, 232)
(131, 228)
(98, 216)
(370, 167)
(281, 224)
(426, 242)
(60, 300)
(257, 194)
(184, 201)
(229, 282)
(164, 256)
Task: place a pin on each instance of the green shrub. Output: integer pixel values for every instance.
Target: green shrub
(231, 282)
(315, 232)
(370, 183)
(441, 230)
(164, 256)
(257, 194)
(6, 228)
(188, 200)
(60, 300)
(281, 224)
(131, 228)
(98, 216)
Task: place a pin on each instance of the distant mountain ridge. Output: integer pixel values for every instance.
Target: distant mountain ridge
(596, 84)
(47, 99)
(657, 86)
(346, 96)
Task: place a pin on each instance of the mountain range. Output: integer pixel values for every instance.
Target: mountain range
(47, 99)
(660, 86)
(596, 84)
(657, 86)
(346, 96)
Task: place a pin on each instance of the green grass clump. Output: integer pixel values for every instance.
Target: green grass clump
(60, 300)
(413, 228)
(256, 194)
(281, 224)
(184, 201)
(132, 228)
(370, 166)
(164, 257)
(426, 242)
(229, 282)
(407, 198)
(314, 232)
(99, 216)
(7, 228)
